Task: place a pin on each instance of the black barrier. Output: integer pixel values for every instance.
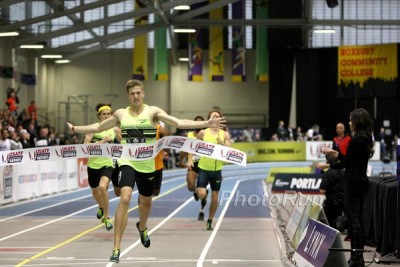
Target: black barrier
(394, 256)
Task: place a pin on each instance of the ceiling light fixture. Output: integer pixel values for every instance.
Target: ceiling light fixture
(184, 59)
(5, 34)
(51, 56)
(62, 61)
(184, 30)
(31, 46)
(182, 7)
(324, 31)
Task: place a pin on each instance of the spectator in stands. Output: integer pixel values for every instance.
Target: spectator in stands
(6, 143)
(12, 104)
(25, 139)
(359, 151)
(342, 140)
(248, 134)
(385, 143)
(32, 132)
(281, 131)
(299, 135)
(32, 110)
(43, 138)
(274, 137)
(313, 133)
(290, 132)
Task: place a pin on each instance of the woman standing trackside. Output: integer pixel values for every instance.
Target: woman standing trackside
(359, 151)
(100, 169)
(138, 126)
(210, 170)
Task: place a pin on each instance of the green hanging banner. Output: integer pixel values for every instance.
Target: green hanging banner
(160, 53)
(262, 54)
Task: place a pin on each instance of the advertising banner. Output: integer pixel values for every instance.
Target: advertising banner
(299, 182)
(48, 175)
(272, 151)
(273, 171)
(313, 249)
(368, 71)
(27, 180)
(6, 184)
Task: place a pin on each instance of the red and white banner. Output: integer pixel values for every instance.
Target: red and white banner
(135, 152)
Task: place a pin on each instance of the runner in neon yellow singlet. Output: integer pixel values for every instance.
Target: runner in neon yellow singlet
(210, 170)
(130, 121)
(100, 169)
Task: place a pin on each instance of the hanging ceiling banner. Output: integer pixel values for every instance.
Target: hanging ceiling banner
(262, 53)
(238, 48)
(368, 71)
(140, 63)
(216, 52)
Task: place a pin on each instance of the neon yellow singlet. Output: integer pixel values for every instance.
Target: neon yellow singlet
(209, 164)
(134, 130)
(99, 162)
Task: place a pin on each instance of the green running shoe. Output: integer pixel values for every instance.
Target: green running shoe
(108, 224)
(115, 255)
(100, 213)
(144, 237)
(208, 224)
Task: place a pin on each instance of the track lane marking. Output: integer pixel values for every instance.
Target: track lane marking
(215, 230)
(82, 233)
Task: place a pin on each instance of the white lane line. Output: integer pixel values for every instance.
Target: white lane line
(215, 230)
(65, 202)
(43, 208)
(41, 198)
(154, 229)
(53, 221)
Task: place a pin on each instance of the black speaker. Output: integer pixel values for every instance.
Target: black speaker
(332, 3)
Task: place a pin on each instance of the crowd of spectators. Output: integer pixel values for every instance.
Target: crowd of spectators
(20, 128)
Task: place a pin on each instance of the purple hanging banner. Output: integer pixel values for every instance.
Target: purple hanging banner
(195, 50)
(238, 49)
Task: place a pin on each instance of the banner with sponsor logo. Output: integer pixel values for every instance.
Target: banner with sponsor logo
(27, 182)
(295, 216)
(313, 249)
(273, 171)
(299, 182)
(313, 150)
(134, 152)
(273, 151)
(311, 211)
(6, 184)
(83, 177)
(369, 70)
(48, 176)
